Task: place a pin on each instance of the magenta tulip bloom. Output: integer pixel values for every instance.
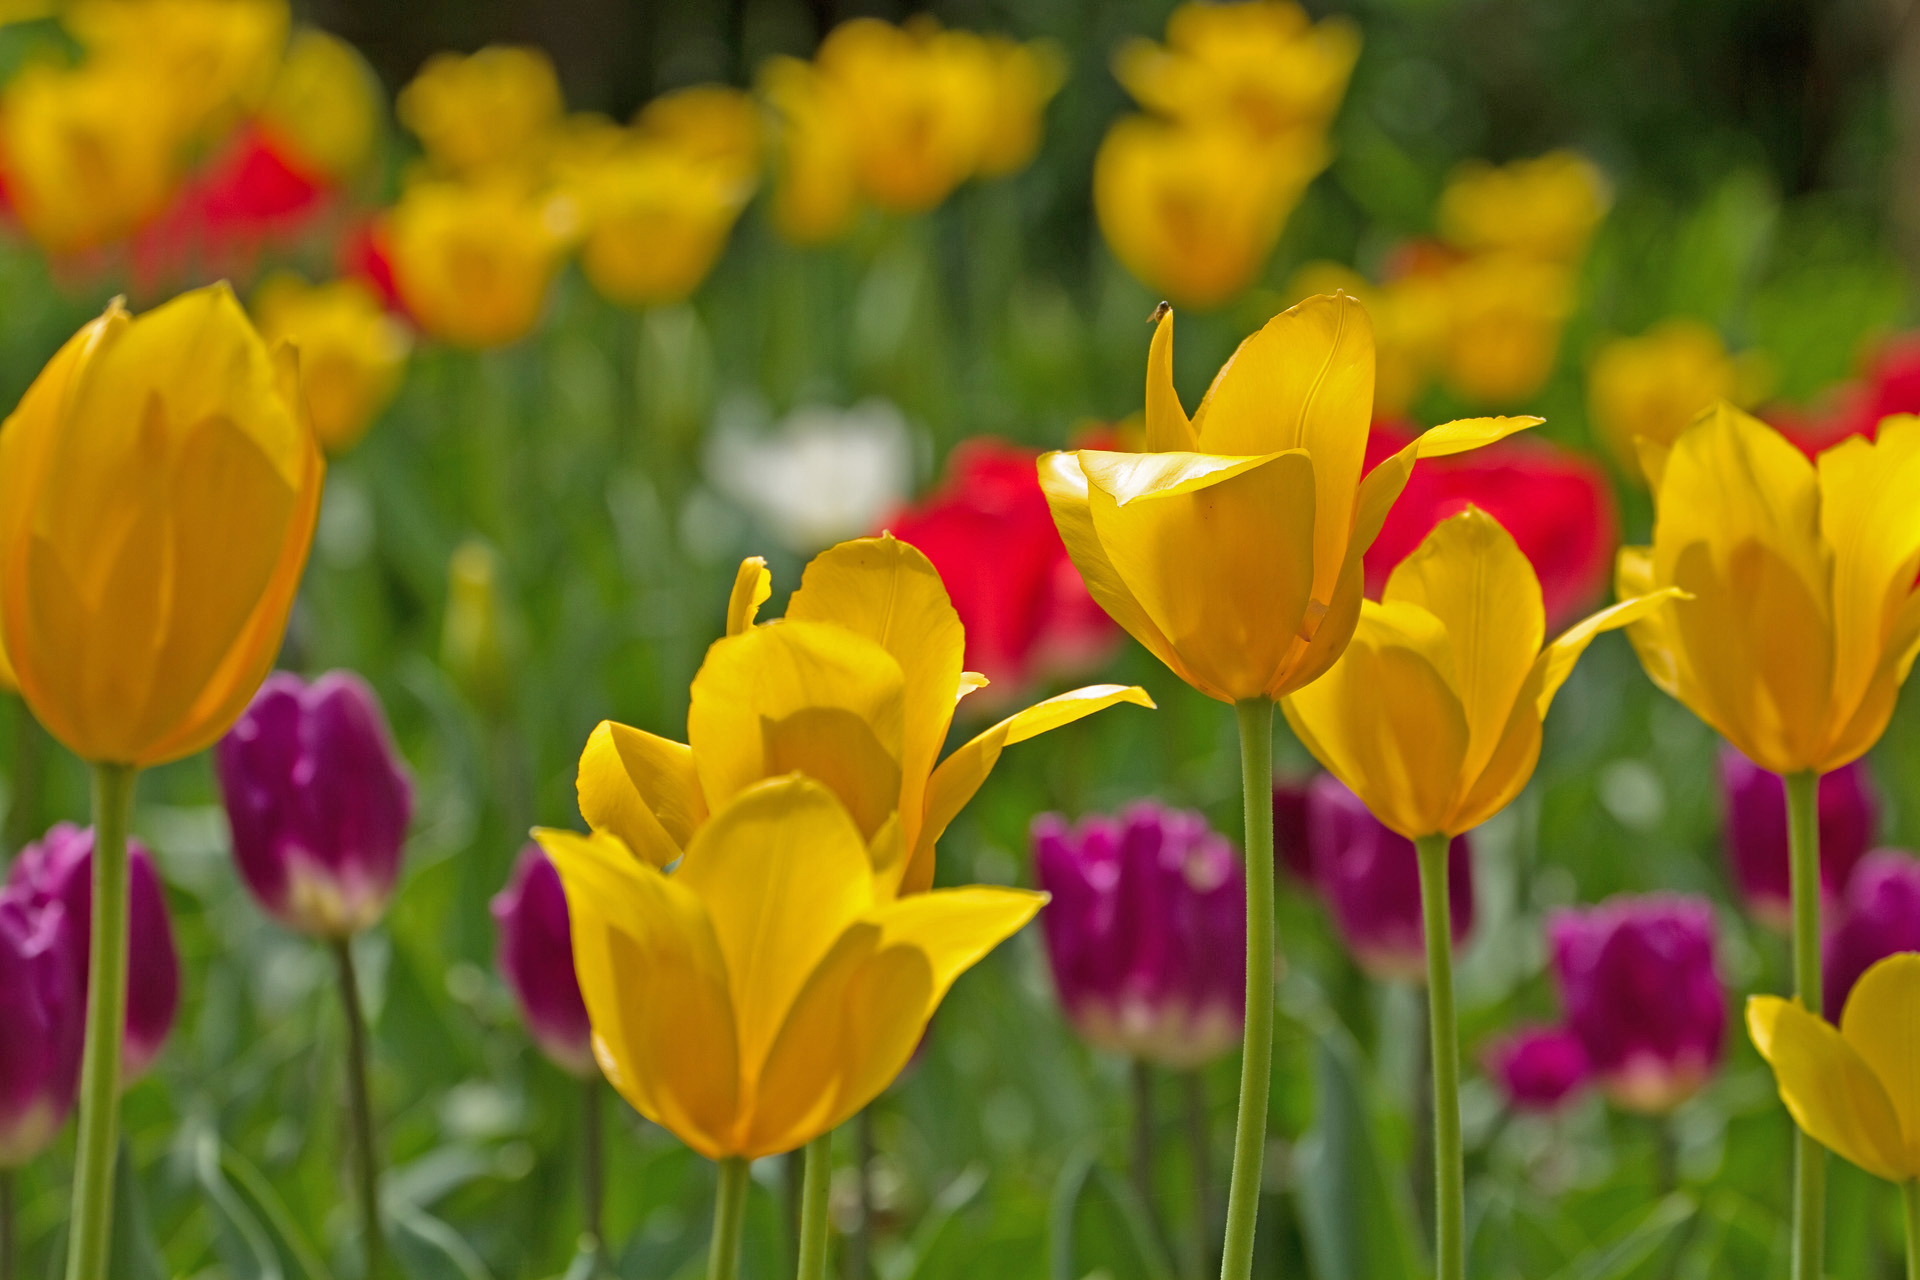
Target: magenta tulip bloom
(1537, 1068)
(1146, 933)
(42, 1024)
(1643, 995)
(318, 801)
(1754, 803)
(1878, 916)
(1370, 879)
(1290, 829)
(536, 958)
(58, 869)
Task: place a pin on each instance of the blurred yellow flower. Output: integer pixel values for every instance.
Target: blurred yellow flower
(771, 986)
(1656, 384)
(158, 490)
(1851, 1088)
(325, 105)
(1432, 716)
(352, 352)
(491, 110)
(1546, 207)
(473, 635)
(856, 687)
(1024, 79)
(473, 262)
(815, 193)
(215, 58)
(1804, 619)
(1232, 548)
(713, 124)
(656, 218)
(1505, 312)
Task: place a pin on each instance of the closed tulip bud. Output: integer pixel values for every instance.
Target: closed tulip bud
(1370, 879)
(318, 802)
(1753, 805)
(352, 351)
(473, 645)
(656, 218)
(1655, 385)
(1146, 932)
(325, 107)
(44, 1014)
(472, 263)
(1642, 993)
(536, 958)
(488, 111)
(1879, 915)
(158, 490)
(1538, 1068)
(58, 869)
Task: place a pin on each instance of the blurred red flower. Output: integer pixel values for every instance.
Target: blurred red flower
(1890, 385)
(1557, 505)
(251, 196)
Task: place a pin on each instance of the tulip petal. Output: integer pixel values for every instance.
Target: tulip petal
(960, 774)
(1882, 1023)
(1382, 485)
(1463, 434)
(752, 587)
(642, 788)
(1556, 661)
(1168, 430)
(655, 987)
(1832, 1093)
(1869, 517)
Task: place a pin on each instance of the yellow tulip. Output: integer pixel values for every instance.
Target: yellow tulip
(352, 352)
(1655, 385)
(492, 110)
(1232, 548)
(656, 219)
(1804, 619)
(1024, 79)
(1432, 716)
(1851, 1089)
(771, 986)
(713, 124)
(1504, 312)
(325, 105)
(856, 686)
(158, 490)
(473, 635)
(473, 263)
(815, 194)
(216, 58)
(1412, 319)
(1546, 207)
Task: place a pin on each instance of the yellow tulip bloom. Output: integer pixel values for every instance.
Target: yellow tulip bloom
(856, 686)
(713, 124)
(656, 220)
(352, 352)
(1545, 208)
(815, 193)
(474, 634)
(473, 263)
(1231, 549)
(492, 110)
(158, 490)
(772, 985)
(1804, 619)
(216, 58)
(325, 106)
(1656, 384)
(1505, 312)
(1024, 79)
(1432, 716)
(1851, 1089)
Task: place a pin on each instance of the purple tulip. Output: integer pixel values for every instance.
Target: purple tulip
(1370, 878)
(1878, 916)
(1290, 829)
(1643, 996)
(43, 1013)
(1147, 932)
(536, 958)
(1537, 1068)
(58, 870)
(318, 801)
(1754, 804)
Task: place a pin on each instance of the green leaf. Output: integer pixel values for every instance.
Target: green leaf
(133, 1254)
(1618, 1257)
(1093, 1213)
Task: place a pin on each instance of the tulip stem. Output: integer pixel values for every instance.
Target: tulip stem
(359, 1102)
(1200, 1156)
(1256, 1053)
(1144, 1124)
(813, 1207)
(7, 1225)
(1449, 1173)
(729, 1216)
(592, 1164)
(91, 1232)
(1910, 1200)
(1809, 1158)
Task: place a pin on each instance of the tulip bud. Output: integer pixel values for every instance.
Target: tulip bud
(536, 958)
(318, 802)
(57, 872)
(1146, 933)
(472, 646)
(44, 1013)
(1878, 916)
(353, 352)
(473, 262)
(1371, 881)
(1537, 1068)
(1754, 802)
(1643, 995)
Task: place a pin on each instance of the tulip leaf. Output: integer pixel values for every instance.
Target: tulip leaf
(134, 1254)
(244, 1233)
(953, 1198)
(1646, 1234)
(429, 1249)
(1098, 1225)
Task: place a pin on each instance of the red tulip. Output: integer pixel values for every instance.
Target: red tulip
(1890, 385)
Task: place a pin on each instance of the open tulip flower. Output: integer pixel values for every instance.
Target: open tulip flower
(773, 984)
(856, 686)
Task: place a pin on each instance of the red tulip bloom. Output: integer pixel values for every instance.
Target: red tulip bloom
(988, 531)
(1556, 504)
(1890, 385)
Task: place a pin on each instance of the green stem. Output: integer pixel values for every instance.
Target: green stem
(1910, 1200)
(360, 1104)
(813, 1207)
(1200, 1156)
(1449, 1171)
(1143, 1127)
(729, 1216)
(7, 1246)
(1809, 1158)
(91, 1233)
(592, 1163)
(1256, 1053)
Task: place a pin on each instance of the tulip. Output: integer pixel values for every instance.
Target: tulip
(1024, 78)
(353, 351)
(1506, 311)
(712, 124)
(1851, 1089)
(536, 958)
(472, 263)
(473, 637)
(1538, 1068)
(1563, 196)
(990, 536)
(815, 195)
(215, 58)
(484, 113)
(1754, 810)
(1370, 879)
(1412, 315)
(856, 685)
(1290, 828)
(1878, 916)
(325, 107)
(318, 802)
(43, 1009)
(1654, 386)
(656, 219)
(1146, 932)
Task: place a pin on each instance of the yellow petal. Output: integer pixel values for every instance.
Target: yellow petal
(642, 788)
(1870, 518)
(1653, 456)
(1556, 661)
(655, 987)
(1828, 1087)
(1382, 485)
(970, 682)
(752, 587)
(1882, 1023)
(1168, 430)
(1463, 434)
(960, 774)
